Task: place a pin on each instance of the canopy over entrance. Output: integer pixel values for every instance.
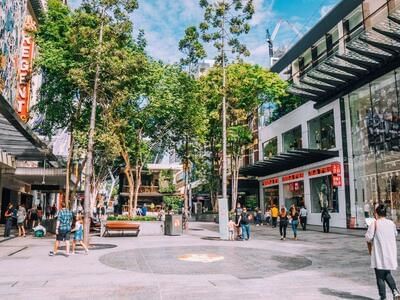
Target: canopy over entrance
(287, 161)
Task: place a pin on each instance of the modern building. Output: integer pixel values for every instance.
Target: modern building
(348, 135)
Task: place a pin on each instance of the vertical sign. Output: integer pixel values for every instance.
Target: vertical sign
(25, 69)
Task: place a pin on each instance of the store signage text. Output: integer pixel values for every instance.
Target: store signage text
(270, 181)
(293, 176)
(332, 168)
(25, 70)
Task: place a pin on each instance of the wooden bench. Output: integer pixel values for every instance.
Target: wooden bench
(121, 226)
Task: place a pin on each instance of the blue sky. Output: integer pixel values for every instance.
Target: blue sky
(164, 23)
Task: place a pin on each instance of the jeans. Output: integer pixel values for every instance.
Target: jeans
(294, 227)
(245, 231)
(303, 222)
(383, 276)
(325, 225)
(8, 227)
(282, 228)
(274, 221)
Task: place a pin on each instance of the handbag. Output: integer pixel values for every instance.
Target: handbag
(369, 244)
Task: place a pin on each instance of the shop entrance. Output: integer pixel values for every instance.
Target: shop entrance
(271, 196)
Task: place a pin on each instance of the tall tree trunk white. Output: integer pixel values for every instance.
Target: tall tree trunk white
(92, 126)
(68, 171)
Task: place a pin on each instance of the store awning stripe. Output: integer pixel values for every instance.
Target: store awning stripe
(287, 161)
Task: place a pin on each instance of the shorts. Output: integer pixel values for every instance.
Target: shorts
(63, 235)
(20, 223)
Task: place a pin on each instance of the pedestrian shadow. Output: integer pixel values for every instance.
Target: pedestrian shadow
(342, 294)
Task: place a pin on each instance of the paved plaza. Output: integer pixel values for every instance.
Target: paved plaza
(192, 266)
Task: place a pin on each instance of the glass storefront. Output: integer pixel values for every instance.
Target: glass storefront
(292, 139)
(323, 194)
(375, 131)
(270, 148)
(293, 193)
(271, 196)
(322, 132)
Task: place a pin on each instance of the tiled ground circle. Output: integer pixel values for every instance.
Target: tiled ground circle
(237, 261)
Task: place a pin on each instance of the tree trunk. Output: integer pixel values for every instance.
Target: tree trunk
(129, 177)
(186, 172)
(138, 183)
(68, 171)
(89, 162)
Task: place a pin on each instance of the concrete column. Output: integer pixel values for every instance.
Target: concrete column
(261, 194)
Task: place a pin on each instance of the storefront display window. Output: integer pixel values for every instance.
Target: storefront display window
(323, 194)
(271, 196)
(292, 139)
(375, 130)
(322, 132)
(293, 193)
(270, 148)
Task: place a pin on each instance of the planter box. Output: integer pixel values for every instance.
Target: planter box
(147, 228)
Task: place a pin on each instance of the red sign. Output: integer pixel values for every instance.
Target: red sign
(332, 168)
(270, 181)
(337, 180)
(336, 169)
(293, 176)
(25, 69)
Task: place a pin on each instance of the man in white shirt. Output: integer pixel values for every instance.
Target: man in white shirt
(367, 208)
(382, 235)
(303, 217)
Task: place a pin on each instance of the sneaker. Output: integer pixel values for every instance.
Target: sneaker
(281, 238)
(396, 295)
(51, 253)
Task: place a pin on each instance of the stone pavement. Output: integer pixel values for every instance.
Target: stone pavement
(192, 266)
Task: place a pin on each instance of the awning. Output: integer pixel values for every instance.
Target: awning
(365, 54)
(287, 161)
(17, 139)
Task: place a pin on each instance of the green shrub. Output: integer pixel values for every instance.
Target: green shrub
(135, 218)
(174, 201)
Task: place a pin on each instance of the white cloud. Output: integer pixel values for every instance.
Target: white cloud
(325, 9)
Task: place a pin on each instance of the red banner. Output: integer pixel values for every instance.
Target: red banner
(334, 168)
(293, 176)
(270, 181)
(337, 180)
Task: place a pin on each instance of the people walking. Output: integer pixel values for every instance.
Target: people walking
(283, 223)
(258, 217)
(303, 217)
(53, 211)
(268, 216)
(294, 216)
(382, 235)
(325, 217)
(39, 213)
(274, 215)
(367, 208)
(78, 235)
(33, 216)
(8, 214)
(63, 229)
(21, 216)
(244, 222)
(238, 212)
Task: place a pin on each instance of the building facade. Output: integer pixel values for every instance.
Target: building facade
(348, 63)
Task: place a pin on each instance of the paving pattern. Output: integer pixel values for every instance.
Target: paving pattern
(317, 266)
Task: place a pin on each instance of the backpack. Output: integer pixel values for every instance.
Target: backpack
(245, 218)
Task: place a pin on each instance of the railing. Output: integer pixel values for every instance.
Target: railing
(143, 189)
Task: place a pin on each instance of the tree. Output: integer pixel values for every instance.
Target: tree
(224, 22)
(248, 86)
(193, 49)
(239, 137)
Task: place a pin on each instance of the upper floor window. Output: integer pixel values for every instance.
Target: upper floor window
(292, 139)
(270, 148)
(321, 132)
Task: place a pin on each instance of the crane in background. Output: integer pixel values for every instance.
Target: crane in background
(276, 53)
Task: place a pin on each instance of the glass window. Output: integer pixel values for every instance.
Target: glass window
(355, 19)
(321, 47)
(271, 196)
(323, 194)
(293, 193)
(307, 58)
(292, 139)
(270, 148)
(321, 132)
(335, 35)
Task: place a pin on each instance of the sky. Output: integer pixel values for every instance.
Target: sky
(165, 21)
